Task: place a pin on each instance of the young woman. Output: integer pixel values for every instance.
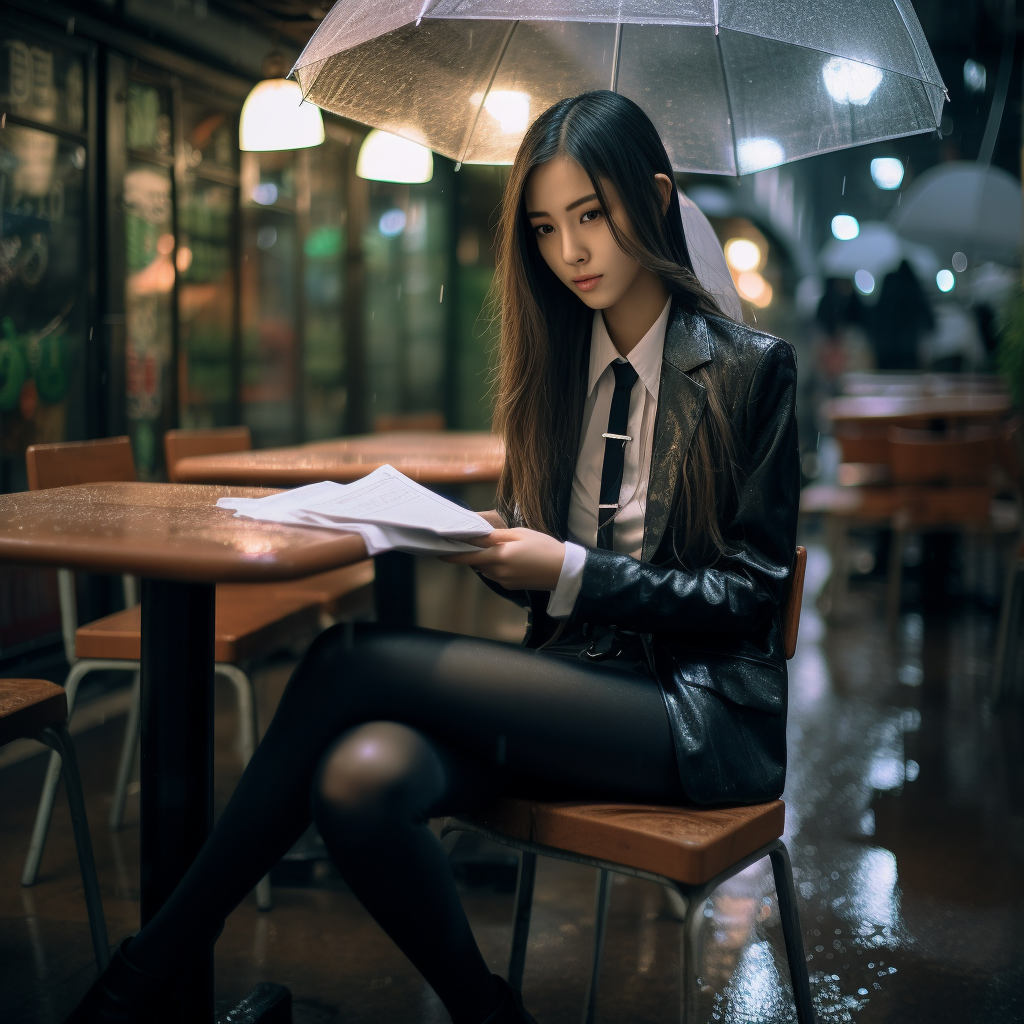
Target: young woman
(646, 516)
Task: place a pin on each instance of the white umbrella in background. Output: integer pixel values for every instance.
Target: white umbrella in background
(962, 207)
(876, 251)
(733, 86)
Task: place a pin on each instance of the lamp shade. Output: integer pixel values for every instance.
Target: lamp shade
(387, 157)
(275, 117)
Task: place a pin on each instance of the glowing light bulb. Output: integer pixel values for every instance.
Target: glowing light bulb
(509, 107)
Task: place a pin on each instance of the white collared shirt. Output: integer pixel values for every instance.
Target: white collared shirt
(628, 533)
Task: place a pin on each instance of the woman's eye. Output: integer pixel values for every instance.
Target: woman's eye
(543, 229)
(590, 215)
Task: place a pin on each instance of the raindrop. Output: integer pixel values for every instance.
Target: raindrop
(862, 991)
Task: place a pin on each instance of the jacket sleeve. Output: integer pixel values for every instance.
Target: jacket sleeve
(741, 592)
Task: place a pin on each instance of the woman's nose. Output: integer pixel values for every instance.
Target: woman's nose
(572, 251)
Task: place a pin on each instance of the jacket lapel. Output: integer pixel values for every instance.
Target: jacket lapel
(681, 401)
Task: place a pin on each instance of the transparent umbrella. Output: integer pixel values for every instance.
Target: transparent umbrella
(733, 86)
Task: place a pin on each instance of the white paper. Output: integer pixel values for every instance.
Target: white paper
(387, 509)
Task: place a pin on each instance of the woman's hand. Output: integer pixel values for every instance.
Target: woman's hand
(517, 559)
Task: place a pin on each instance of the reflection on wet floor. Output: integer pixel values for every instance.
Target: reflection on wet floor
(905, 823)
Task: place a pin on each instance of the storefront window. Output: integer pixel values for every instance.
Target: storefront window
(206, 267)
(406, 248)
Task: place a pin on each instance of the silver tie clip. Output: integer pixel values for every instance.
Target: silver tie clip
(608, 506)
(617, 437)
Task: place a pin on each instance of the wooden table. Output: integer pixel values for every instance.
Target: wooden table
(434, 458)
(175, 537)
(880, 410)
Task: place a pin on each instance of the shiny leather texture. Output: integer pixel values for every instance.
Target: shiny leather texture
(712, 634)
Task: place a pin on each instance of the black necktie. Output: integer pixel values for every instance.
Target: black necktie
(615, 443)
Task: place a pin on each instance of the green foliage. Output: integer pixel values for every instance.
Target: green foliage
(1011, 350)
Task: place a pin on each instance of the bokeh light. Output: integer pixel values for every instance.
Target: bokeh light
(864, 281)
(742, 254)
(887, 172)
(945, 280)
(845, 227)
(754, 288)
(849, 81)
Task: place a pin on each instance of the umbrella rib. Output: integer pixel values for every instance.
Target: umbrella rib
(615, 56)
(483, 99)
(728, 102)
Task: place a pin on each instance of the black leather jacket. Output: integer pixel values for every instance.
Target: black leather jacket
(713, 635)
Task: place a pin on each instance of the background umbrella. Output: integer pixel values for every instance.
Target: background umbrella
(733, 86)
(878, 250)
(964, 207)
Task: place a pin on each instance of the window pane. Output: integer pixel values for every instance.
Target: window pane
(148, 119)
(269, 299)
(406, 250)
(206, 303)
(324, 261)
(42, 82)
(211, 135)
(149, 294)
(42, 294)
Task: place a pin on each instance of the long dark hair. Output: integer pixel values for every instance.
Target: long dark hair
(543, 354)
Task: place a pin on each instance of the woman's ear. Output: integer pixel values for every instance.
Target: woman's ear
(664, 183)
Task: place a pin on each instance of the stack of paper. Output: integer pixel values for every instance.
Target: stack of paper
(387, 509)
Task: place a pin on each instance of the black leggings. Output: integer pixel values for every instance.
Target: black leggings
(372, 741)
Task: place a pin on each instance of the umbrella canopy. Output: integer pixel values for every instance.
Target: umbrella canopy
(733, 86)
(878, 250)
(964, 207)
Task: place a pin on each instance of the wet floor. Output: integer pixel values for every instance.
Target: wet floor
(905, 823)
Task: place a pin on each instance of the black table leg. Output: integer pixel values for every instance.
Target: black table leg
(395, 589)
(177, 776)
(177, 755)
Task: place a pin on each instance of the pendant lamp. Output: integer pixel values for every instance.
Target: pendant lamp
(274, 116)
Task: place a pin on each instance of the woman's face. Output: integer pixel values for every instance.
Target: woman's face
(572, 231)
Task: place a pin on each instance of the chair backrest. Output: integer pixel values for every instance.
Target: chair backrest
(794, 599)
(922, 456)
(183, 444)
(863, 445)
(79, 462)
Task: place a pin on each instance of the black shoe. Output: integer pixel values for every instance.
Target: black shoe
(510, 1010)
(123, 994)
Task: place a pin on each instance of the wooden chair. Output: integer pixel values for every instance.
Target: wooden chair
(38, 709)
(341, 593)
(252, 620)
(690, 850)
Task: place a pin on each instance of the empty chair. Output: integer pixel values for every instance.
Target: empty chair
(252, 620)
(691, 850)
(38, 709)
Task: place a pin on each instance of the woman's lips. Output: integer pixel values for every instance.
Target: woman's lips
(586, 283)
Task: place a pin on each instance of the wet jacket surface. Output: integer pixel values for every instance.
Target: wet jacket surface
(712, 635)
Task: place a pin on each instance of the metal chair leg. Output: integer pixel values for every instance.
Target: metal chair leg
(1006, 642)
(786, 895)
(128, 748)
(248, 735)
(689, 959)
(30, 872)
(602, 898)
(894, 581)
(60, 741)
(521, 921)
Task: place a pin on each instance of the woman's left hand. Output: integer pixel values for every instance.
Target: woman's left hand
(517, 559)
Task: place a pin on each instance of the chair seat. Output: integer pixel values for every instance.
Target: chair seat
(251, 619)
(330, 588)
(686, 844)
(28, 706)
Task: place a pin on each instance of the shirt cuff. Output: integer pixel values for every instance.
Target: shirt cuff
(570, 579)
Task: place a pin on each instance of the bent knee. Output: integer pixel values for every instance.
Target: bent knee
(380, 768)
